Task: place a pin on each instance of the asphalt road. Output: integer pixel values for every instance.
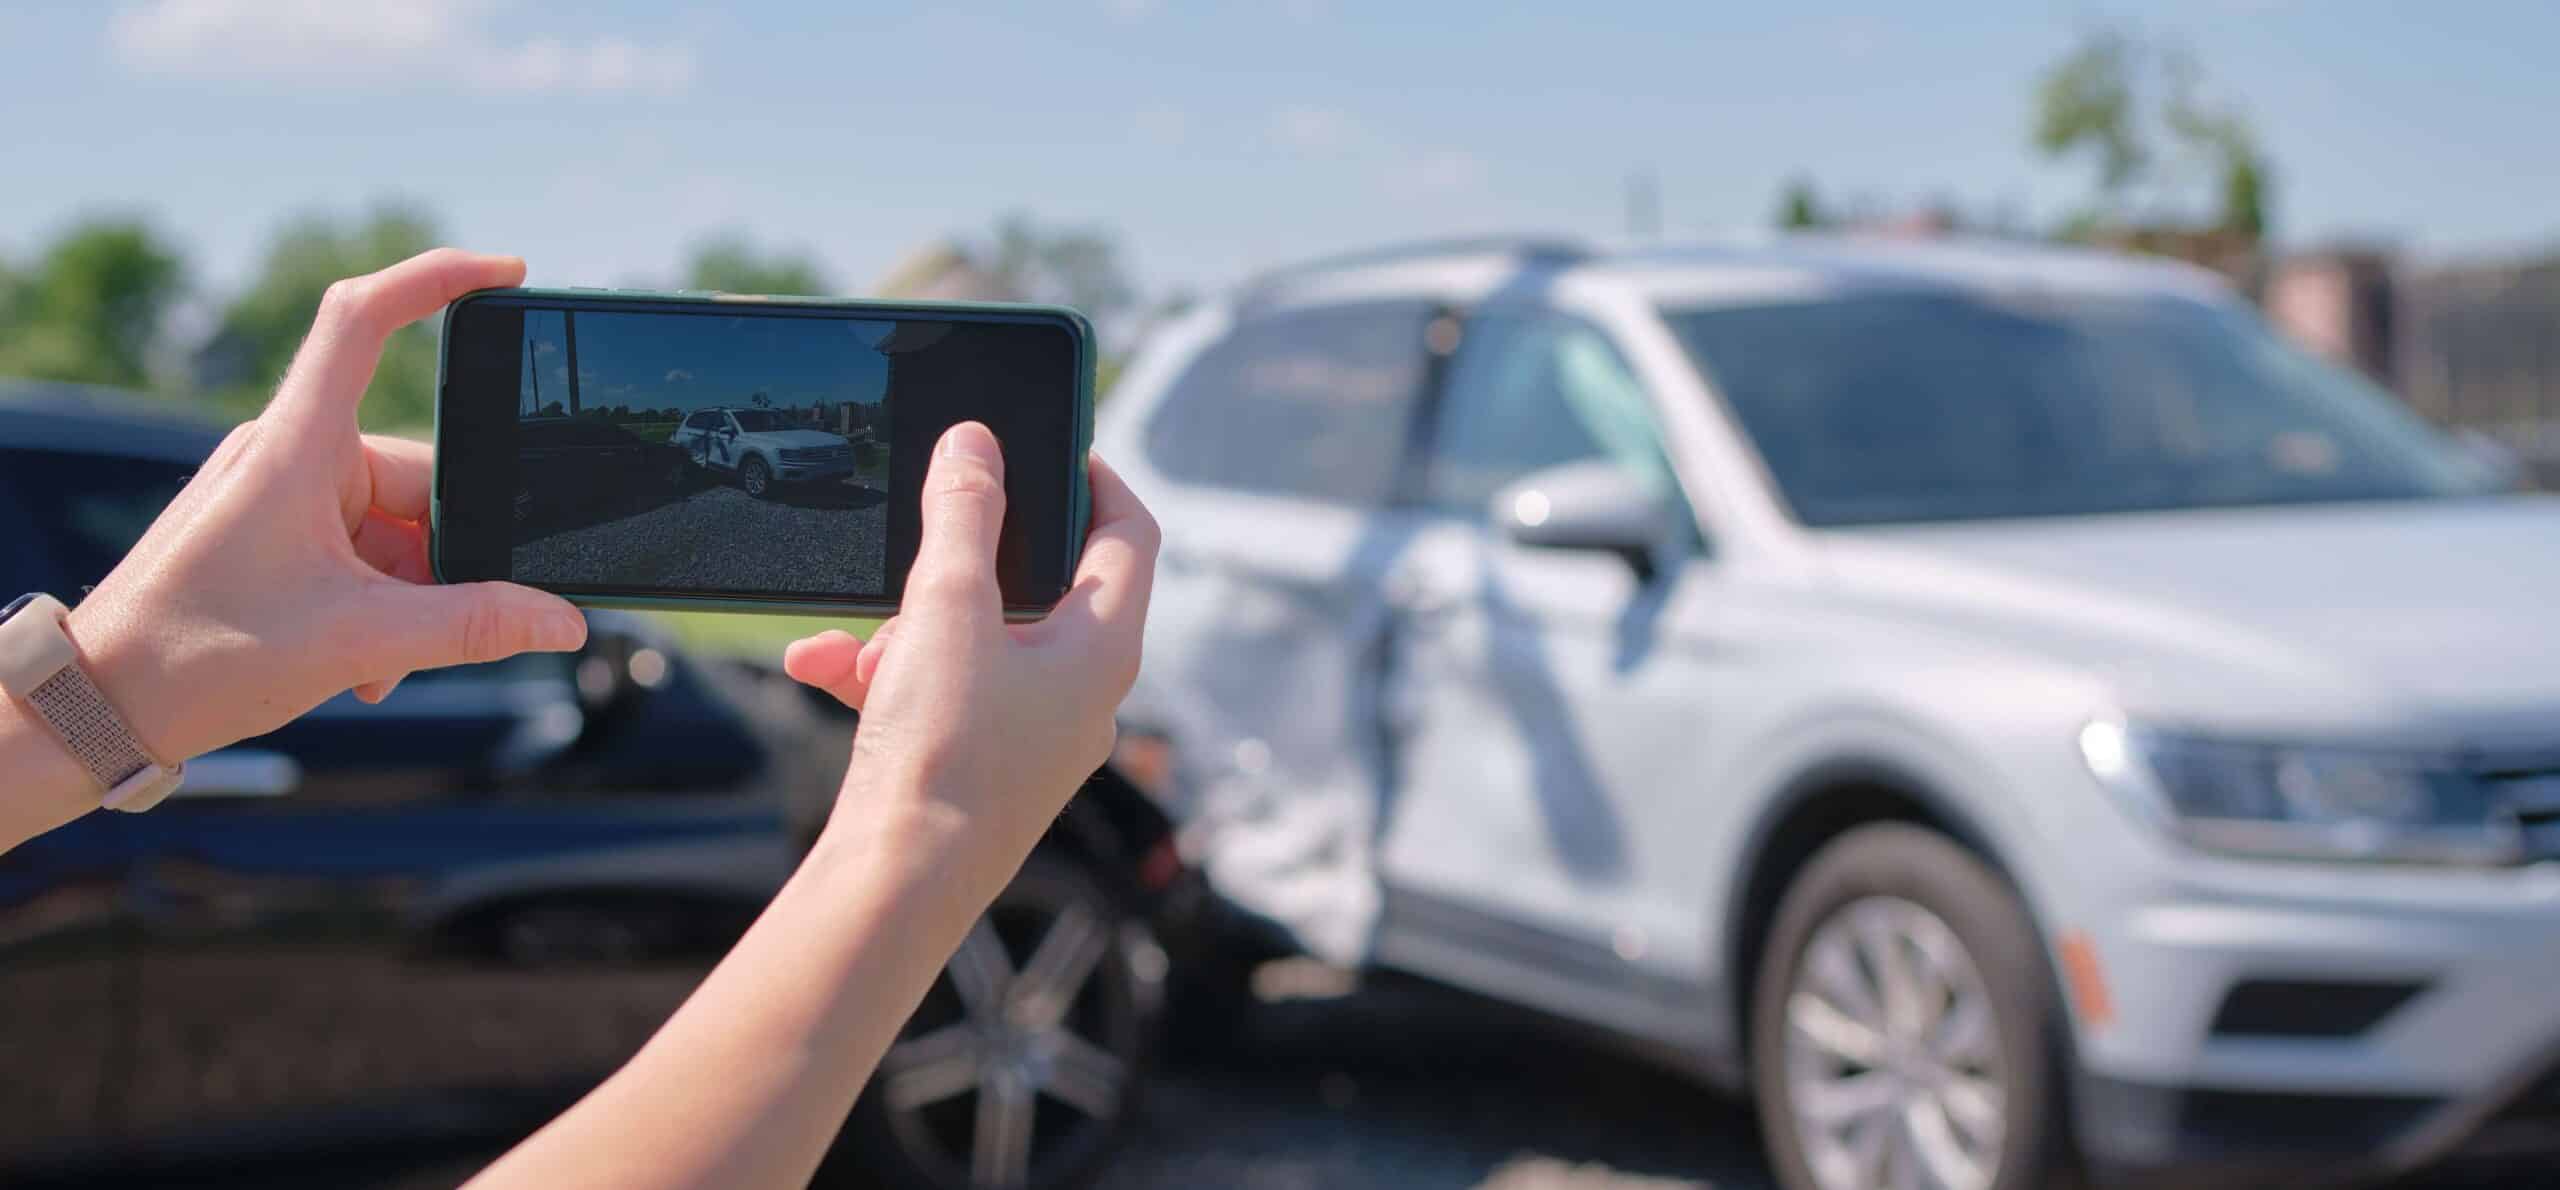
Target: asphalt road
(1402, 1086)
(806, 537)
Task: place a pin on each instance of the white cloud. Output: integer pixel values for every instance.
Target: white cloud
(1310, 129)
(678, 375)
(1130, 11)
(376, 43)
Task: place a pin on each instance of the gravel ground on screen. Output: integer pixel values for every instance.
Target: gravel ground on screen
(813, 538)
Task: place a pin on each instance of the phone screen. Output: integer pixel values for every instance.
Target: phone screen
(738, 450)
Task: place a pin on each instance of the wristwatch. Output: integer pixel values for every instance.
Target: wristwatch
(39, 667)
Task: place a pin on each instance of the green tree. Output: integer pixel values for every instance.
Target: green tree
(731, 263)
(91, 308)
(1798, 208)
(2085, 104)
(2244, 198)
(2135, 107)
(2220, 141)
(264, 324)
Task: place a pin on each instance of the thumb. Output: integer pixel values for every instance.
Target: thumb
(469, 623)
(963, 511)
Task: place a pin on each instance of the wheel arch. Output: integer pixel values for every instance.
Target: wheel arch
(1819, 803)
(1117, 833)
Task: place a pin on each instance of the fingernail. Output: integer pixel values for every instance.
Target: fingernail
(563, 629)
(970, 440)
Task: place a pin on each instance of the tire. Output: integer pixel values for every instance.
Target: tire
(756, 477)
(1208, 1008)
(1082, 1100)
(1893, 897)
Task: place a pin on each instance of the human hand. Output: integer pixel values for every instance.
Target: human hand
(294, 565)
(975, 730)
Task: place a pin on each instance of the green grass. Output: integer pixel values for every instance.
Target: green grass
(652, 431)
(756, 638)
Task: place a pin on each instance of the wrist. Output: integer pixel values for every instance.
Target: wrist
(46, 785)
(911, 830)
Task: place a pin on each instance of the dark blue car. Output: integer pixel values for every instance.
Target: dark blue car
(441, 918)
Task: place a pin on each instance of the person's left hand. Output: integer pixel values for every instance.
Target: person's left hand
(294, 565)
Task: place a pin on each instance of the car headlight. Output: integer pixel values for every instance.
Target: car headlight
(2303, 801)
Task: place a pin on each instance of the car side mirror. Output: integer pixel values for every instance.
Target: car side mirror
(1591, 505)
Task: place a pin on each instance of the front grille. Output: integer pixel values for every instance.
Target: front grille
(816, 454)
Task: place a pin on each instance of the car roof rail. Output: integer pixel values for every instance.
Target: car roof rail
(1527, 250)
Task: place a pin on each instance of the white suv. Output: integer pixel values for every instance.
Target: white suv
(1998, 705)
(762, 447)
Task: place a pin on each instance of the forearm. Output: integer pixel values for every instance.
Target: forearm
(747, 1084)
(45, 786)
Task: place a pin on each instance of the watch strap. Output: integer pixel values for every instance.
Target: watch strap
(39, 665)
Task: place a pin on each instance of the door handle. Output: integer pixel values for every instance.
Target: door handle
(240, 772)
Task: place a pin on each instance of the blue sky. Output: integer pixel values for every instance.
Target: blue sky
(689, 361)
(599, 139)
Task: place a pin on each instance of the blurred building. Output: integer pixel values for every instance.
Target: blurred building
(943, 271)
(2473, 345)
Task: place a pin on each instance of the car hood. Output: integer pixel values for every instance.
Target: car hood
(2418, 615)
(799, 438)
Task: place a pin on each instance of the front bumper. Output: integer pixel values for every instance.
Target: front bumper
(812, 472)
(2272, 1018)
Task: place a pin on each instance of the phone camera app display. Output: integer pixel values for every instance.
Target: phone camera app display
(696, 451)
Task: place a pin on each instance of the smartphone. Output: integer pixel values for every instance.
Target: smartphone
(724, 452)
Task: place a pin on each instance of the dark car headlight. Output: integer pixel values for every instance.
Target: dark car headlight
(2303, 801)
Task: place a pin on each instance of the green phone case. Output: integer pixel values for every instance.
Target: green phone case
(1080, 495)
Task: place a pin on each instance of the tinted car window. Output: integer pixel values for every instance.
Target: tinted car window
(1316, 403)
(702, 421)
(88, 509)
(1535, 390)
(1905, 407)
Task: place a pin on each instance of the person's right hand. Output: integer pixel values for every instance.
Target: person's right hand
(973, 729)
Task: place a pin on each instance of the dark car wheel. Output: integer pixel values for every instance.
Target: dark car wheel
(1904, 1028)
(755, 477)
(1022, 1066)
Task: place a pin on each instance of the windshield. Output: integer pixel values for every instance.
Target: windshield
(1900, 407)
(757, 421)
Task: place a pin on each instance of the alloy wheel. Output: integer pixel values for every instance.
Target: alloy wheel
(1893, 1064)
(1020, 1060)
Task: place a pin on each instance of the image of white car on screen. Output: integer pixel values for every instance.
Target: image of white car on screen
(763, 447)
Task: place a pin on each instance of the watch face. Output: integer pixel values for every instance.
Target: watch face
(17, 604)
